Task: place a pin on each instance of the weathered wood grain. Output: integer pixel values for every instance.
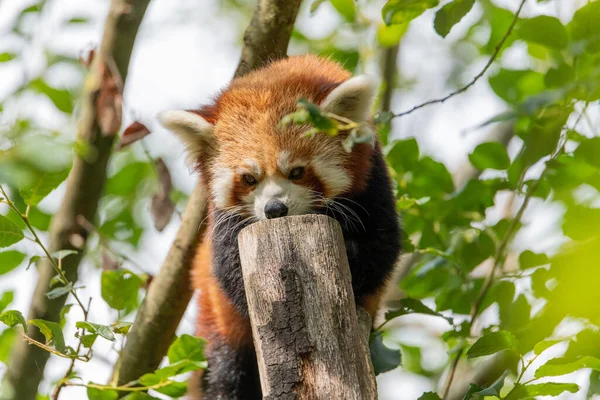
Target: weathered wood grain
(308, 340)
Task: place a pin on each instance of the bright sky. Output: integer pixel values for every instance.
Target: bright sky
(184, 54)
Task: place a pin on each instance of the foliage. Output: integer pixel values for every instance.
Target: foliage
(465, 258)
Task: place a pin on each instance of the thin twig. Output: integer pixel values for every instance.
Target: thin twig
(49, 349)
(478, 76)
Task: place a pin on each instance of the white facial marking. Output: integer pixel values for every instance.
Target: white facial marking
(283, 162)
(332, 174)
(222, 185)
(297, 198)
(253, 167)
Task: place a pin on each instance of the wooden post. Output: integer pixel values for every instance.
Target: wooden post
(309, 343)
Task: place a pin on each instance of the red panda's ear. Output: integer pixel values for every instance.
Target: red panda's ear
(352, 99)
(195, 131)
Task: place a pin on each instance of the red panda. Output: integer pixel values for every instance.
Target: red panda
(256, 169)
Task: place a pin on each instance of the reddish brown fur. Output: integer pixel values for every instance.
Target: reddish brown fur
(248, 111)
(247, 115)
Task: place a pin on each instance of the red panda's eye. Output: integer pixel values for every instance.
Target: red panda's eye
(296, 173)
(250, 180)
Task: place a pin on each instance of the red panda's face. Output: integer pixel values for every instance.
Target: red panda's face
(254, 167)
(279, 181)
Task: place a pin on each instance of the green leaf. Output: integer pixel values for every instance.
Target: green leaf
(10, 260)
(491, 343)
(514, 86)
(6, 299)
(384, 359)
(88, 340)
(404, 155)
(139, 396)
(63, 314)
(561, 366)
(404, 11)
(33, 260)
(61, 254)
(52, 332)
(430, 178)
(186, 347)
(584, 26)
(180, 367)
(13, 318)
(121, 328)
(544, 30)
(492, 155)
(529, 259)
(5, 57)
(102, 330)
(127, 179)
(390, 35)
(450, 15)
(60, 291)
(78, 20)
(317, 119)
(120, 289)
(589, 150)
(499, 20)
(346, 8)
(516, 315)
(174, 389)
(9, 232)
(102, 394)
(540, 347)
(495, 388)
(541, 389)
(472, 391)
(315, 6)
(7, 341)
(430, 396)
(411, 306)
(42, 186)
(61, 98)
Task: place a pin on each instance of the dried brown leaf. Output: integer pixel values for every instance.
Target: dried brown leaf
(108, 263)
(109, 102)
(133, 133)
(162, 210)
(86, 60)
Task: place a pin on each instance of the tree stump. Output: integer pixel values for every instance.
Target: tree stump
(309, 343)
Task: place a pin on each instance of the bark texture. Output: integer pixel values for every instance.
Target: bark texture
(308, 340)
(268, 34)
(266, 38)
(85, 185)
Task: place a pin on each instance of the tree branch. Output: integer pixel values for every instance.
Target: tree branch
(268, 34)
(84, 189)
(266, 38)
(479, 75)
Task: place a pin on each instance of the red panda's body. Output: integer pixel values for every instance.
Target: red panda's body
(255, 169)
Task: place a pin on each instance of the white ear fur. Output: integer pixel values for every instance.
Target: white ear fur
(195, 132)
(352, 99)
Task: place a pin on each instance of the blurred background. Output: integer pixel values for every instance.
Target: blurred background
(186, 50)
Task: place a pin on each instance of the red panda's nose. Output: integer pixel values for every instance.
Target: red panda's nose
(275, 209)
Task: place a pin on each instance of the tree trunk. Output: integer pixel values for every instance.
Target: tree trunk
(170, 292)
(84, 189)
(306, 333)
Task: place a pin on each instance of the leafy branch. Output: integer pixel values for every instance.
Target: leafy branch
(72, 290)
(57, 267)
(477, 77)
(501, 251)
